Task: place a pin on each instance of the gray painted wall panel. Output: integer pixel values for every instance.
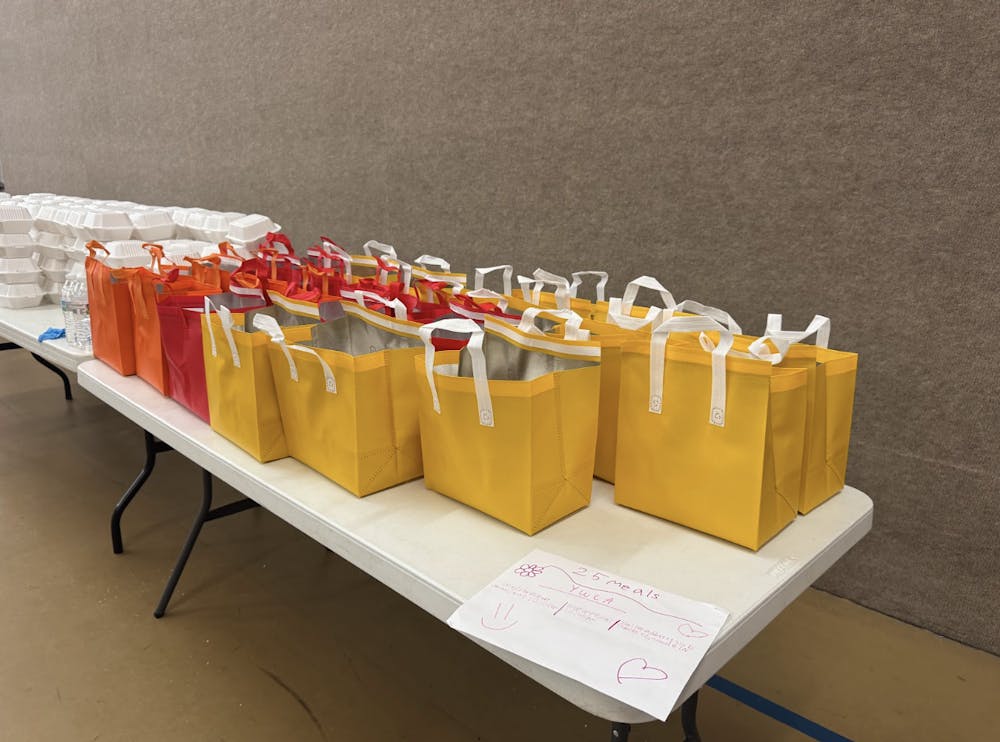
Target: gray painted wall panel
(829, 158)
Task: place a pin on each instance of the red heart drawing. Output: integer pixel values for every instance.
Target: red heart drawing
(638, 669)
(686, 629)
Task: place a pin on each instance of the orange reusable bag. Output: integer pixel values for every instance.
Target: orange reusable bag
(216, 269)
(146, 289)
(110, 312)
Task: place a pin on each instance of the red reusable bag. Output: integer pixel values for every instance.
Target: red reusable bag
(277, 270)
(180, 333)
(148, 289)
(481, 303)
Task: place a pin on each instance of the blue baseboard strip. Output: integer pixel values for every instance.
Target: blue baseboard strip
(779, 713)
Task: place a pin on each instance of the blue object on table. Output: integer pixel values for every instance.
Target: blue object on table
(53, 333)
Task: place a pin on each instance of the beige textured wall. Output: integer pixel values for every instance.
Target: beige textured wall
(807, 157)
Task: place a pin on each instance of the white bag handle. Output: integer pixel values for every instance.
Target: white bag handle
(245, 291)
(646, 282)
(599, 289)
(211, 332)
(398, 307)
(527, 288)
(782, 340)
(719, 315)
(379, 247)
(657, 352)
(561, 284)
(820, 326)
(405, 270)
(424, 261)
(344, 255)
(500, 299)
(620, 309)
(226, 318)
(508, 274)
(475, 348)
(572, 324)
(266, 323)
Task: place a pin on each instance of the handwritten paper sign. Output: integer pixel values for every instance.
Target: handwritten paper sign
(631, 641)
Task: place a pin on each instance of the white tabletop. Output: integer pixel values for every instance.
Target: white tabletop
(438, 553)
(23, 326)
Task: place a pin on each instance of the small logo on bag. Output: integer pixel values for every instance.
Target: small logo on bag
(656, 403)
(718, 417)
(486, 417)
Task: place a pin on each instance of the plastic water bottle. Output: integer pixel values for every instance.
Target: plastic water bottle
(76, 310)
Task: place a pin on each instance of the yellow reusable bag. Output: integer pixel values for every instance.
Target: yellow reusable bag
(508, 424)
(565, 294)
(530, 293)
(241, 398)
(618, 326)
(348, 395)
(708, 439)
(831, 378)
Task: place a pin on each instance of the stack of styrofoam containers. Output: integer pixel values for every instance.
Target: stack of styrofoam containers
(19, 272)
(63, 225)
(52, 248)
(49, 239)
(244, 232)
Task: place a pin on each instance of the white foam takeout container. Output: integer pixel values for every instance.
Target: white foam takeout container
(19, 270)
(44, 218)
(20, 295)
(152, 225)
(174, 251)
(55, 269)
(125, 254)
(251, 228)
(17, 246)
(108, 226)
(188, 220)
(15, 219)
(214, 227)
(50, 245)
(52, 290)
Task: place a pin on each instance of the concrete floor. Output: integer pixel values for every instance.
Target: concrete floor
(270, 637)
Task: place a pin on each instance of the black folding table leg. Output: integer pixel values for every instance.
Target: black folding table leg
(620, 731)
(205, 514)
(199, 521)
(153, 447)
(689, 719)
(67, 391)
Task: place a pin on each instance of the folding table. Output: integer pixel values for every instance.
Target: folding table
(23, 326)
(438, 553)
